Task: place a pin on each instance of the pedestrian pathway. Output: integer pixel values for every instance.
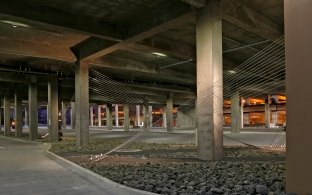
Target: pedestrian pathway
(24, 169)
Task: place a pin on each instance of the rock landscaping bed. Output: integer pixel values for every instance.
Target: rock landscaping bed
(174, 169)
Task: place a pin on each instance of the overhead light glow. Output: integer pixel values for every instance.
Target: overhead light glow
(159, 54)
(15, 24)
(232, 71)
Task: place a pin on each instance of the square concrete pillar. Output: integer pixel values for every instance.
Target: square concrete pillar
(209, 82)
(91, 116)
(109, 116)
(0, 112)
(99, 115)
(169, 113)
(267, 112)
(138, 115)
(33, 108)
(53, 109)
(26, 119)
(150, 114)
(164, 116)
(146, 126)
(72, 115)
(18, 112)
(116, 115)
(6, 117)
(236, 113)
(64, 109)
(82, 102)
(298, 31)
(126, 117)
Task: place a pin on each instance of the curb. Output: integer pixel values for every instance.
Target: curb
(122, 189)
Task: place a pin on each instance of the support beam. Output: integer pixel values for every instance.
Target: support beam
(150, 114)
(53, 109)
(267, 112)
(82, 103)
(109, 116)
(138, 115)
(6, 117)
(139, 68)
(244, 17)
(298, 30)
(64, 109)
(116, 116)
(18, 112)
(169, 113)
(209, 82)
(99, 115)
(166, 17)
(91, 111)
(126, 117)
(236, 113)
(73, 115)
(59, 19)
(33, 108)
(146, 126)
(36, 50)
(249, 19)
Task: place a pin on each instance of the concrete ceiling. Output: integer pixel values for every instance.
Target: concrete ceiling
(119, 37)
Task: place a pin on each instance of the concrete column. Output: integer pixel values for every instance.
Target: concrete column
(91, 116)
(116, 115)
(138, 115)
(146, 126)
(298, 31)
(236, 114)
(126, 117)
(72, 115)
(99, 115)
(53, 109)
(150, 114)
(33, 108)
(6, 117)
(209, 82)
(82, 103)
(267, 112)
(164, 117)
(109, 116)
(169, 114)
(64, 108)
(26, 116)
(0, 112)
(18, 112)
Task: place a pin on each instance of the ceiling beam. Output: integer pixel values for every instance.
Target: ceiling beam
(171, 48)
(245, 18)
(28, 49)
(157, 21)
(133, 67)
(249, 19)
(65, 20)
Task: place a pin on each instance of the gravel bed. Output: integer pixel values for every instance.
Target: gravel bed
(175, 169)
(197, 177)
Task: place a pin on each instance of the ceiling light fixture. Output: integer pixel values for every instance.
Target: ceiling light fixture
(159, 54)
(15, 24)
(232, 71)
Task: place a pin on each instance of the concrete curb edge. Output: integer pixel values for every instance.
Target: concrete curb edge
(93, 176)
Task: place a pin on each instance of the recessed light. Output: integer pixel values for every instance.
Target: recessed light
(159, 54)
(232, 71)
(15, 24)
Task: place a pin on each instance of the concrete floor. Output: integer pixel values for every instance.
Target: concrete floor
(25, 170)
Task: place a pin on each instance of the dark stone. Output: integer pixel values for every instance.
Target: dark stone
(261, 189)
(216, 191)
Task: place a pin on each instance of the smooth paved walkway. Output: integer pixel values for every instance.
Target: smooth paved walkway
(24, 170)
